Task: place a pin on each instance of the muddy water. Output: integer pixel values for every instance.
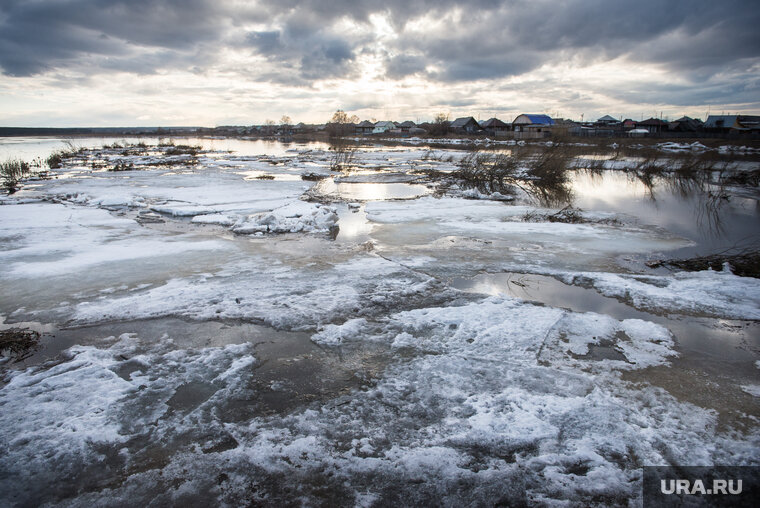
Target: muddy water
(290, 370)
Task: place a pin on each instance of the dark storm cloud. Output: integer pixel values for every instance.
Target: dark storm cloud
(486, 39)
(518, 37)
(39, 35)
(400, 66)
(304, 40)
(308, 56)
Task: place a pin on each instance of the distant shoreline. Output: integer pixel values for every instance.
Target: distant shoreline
(433, 141)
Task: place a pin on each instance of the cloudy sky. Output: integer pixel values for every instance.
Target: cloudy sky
(220, 62)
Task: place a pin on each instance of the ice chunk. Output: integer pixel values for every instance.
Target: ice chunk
(216, 218)
(720, 294)
(295, 217)
(334, 335)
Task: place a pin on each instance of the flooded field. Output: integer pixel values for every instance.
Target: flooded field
(244, 322)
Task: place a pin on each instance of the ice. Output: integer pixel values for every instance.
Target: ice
(278, 296)
(713, 293)
(633, 343)
(439, 210)
(179, 194)
(334, 335)
(78, 417)
(51, 239)
(295, 217)
(443, 396)
(216, 218)
(449, 230)
(677, 147)
(492, 397)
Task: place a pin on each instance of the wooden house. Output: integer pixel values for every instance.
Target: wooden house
(465, 125)
(530, 126)
(495, 127)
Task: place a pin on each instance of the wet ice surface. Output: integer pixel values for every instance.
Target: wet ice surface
(212, 337)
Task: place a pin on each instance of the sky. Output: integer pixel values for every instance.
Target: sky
(66, 63)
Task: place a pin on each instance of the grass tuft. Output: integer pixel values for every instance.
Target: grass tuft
(12, 171)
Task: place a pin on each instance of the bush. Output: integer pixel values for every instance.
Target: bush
(11, 172)
(55, 159)
(542, 175)
(343, 156)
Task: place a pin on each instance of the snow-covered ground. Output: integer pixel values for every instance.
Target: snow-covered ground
(342, 361)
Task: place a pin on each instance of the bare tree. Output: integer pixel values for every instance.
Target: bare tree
(285, 121)
(440, 125)
(268, 126)
(339, 117)
(341, 124)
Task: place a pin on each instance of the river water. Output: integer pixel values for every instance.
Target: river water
(405, 343)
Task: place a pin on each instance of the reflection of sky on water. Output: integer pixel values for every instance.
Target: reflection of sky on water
(371, 191)
(713, 224)
(28, 148)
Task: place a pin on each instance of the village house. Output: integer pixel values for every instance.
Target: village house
(732, 124)
(607, 121)
(465, 124)
(302, 128)
(406, 126)
(365, 127)
(530, 126)
(383, 127)
(495, 127)
(653, 125)
(685, 124)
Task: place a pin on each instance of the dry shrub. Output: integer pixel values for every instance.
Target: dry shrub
(18, 343)
(744, 263)
(343, 156)
(11, 172)
(543, 174)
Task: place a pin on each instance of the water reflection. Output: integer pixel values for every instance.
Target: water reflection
(696, 208)
(362, 191)
(28, 148)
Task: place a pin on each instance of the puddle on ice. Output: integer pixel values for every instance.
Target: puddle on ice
(353, 226)
(369, 191)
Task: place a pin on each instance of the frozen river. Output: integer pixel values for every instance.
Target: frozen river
(246, 325)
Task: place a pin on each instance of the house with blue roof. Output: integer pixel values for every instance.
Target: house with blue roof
(732, 123)
(529, 126)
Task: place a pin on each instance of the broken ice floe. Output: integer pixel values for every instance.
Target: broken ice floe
(295, 217)
(495, 393)
(711, 293)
